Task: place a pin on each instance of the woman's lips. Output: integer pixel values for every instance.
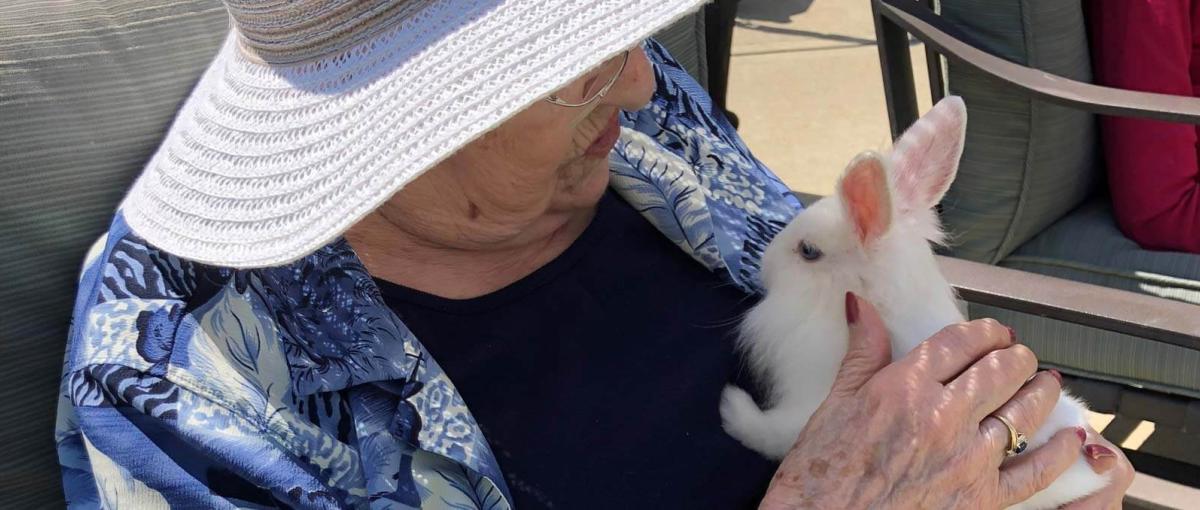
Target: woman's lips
(604, 143)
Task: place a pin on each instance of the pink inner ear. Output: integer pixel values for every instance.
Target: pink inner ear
(925, 158)
(924, 170)
(864, 191)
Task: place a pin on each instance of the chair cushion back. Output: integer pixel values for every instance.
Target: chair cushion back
(86, 91)
(1026, 162)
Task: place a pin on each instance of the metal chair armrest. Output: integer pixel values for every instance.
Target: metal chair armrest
(1140, 315)
(911, 17)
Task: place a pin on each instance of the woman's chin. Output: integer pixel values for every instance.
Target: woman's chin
(584, 184)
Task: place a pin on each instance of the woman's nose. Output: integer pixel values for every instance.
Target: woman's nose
(636, 84)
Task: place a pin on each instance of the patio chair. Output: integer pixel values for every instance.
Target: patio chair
(1031, 196)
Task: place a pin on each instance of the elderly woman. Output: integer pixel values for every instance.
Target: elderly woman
(364, 201)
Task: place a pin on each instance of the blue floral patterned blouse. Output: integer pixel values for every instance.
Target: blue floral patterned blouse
(193, 386)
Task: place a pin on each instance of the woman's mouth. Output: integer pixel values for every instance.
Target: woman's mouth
(607, 138)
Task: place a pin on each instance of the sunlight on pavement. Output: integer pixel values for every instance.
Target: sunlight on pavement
(805, 82)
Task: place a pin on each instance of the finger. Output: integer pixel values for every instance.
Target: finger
(1101, 458)
(1120, 473)
(994, 379)
(1101, 454)
(870, 348)
(950, 351)
(1036, 470)
(1026, 410)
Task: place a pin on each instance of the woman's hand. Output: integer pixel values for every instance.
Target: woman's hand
(917, 433)
(1105, 457)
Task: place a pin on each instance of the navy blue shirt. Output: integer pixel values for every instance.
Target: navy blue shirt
(596, 379)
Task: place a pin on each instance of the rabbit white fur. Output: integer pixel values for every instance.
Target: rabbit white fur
(873, 235)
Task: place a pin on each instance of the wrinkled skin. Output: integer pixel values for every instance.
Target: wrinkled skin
(948, 457)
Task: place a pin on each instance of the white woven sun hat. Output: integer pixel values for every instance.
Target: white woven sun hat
(315, 112)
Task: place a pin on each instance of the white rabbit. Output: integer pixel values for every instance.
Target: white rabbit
(871, 237)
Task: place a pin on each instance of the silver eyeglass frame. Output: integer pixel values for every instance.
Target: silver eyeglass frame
(603, 90)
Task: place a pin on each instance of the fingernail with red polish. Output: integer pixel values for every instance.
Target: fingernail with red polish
(1097, 451)
(1012, 335)
(1056, 375)
(851, 308)
(1082, 434)
(1102, 459)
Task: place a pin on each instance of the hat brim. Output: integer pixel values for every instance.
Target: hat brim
(265, 164)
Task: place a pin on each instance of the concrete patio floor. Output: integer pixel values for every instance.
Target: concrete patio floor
(804, 80)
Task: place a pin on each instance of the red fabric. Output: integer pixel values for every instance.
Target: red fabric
(1153, 169)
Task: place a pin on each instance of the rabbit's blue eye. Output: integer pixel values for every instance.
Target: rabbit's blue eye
(809, 251)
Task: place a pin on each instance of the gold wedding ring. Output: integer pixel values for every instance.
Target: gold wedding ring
(1016, 440)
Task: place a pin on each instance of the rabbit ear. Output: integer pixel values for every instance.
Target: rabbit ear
(925, 158)
(865, 196)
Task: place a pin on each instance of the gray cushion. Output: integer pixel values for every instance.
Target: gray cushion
(1086, 246)
(1026, 162)
(86, 91)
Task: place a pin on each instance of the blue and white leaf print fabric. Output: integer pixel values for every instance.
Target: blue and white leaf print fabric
(193, 386)
(685, 168)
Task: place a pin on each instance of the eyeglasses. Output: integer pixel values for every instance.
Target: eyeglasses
(594, 92)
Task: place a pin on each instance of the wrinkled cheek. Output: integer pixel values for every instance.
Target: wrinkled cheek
(524, 156)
